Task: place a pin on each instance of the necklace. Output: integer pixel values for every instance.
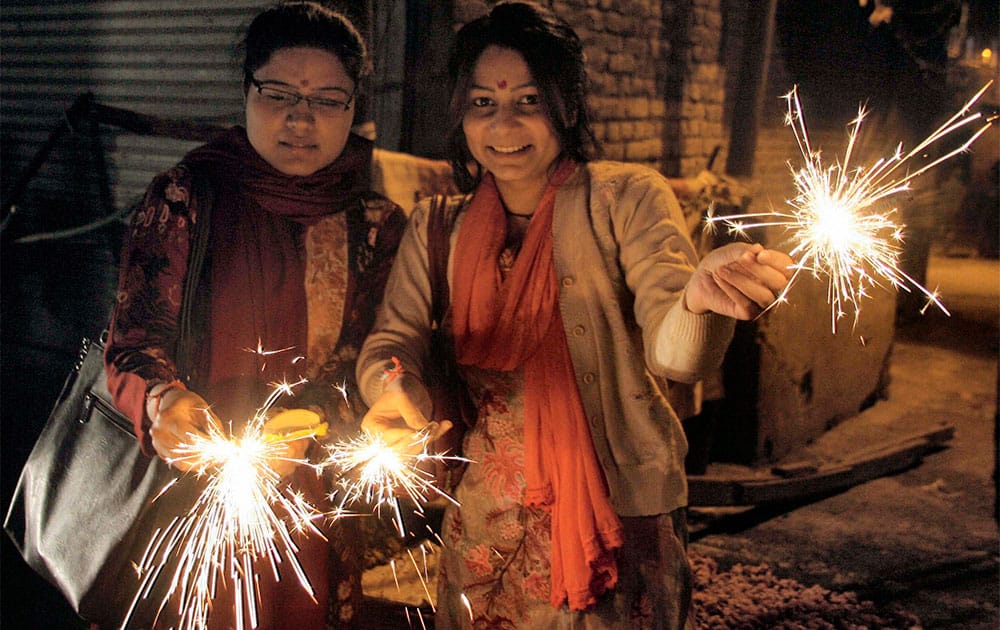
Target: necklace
(515, 215)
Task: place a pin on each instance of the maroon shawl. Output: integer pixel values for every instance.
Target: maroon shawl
(256, 268)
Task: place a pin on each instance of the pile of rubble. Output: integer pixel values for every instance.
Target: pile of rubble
(752, 597)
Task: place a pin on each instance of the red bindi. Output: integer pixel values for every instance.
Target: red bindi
(502, 83)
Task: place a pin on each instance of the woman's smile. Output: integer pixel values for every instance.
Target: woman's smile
(298, 146)
(510, 150)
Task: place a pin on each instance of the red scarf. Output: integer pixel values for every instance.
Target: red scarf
(257, 262)
(503, 324)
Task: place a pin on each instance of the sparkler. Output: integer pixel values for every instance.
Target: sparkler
(261, 352)
(243, 514)
(835, 222)
(377, 473)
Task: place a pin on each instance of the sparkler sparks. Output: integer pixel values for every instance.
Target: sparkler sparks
(261, 352)
(245, 518)
(377, 473)
(243, 514)
(836, 225)
(342, 390)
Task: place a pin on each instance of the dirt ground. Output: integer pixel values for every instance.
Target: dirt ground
(925, 539)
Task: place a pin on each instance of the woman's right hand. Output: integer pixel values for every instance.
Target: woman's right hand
(400, 423)
(181, 413)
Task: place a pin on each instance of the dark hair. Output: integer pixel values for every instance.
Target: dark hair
(306, 25)
(554, 56)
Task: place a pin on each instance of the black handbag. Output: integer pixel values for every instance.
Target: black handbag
(84, 511)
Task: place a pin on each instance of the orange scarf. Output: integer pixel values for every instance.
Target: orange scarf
(503, 324)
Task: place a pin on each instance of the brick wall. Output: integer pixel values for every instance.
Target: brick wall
(694, 85)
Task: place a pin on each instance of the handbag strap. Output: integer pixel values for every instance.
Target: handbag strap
(439, 224)
(204, 193)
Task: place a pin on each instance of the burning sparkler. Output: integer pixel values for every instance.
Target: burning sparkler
(243, 514)
(377, 473)
(261, 352)
(835, 222)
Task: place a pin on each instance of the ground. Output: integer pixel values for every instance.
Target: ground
(925, 539)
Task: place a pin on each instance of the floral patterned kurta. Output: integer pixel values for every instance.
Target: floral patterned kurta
(497, 551)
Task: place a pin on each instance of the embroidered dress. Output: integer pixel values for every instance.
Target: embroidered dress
(497, 551)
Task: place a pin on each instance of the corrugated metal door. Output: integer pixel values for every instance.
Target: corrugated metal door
(170, 58)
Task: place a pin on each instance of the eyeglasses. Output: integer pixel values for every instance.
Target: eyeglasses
(283, 99)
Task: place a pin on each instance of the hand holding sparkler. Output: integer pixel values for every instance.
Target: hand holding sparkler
(176, 413)
(292, 431)
(398, 421)
(245, 516)
(392, 457)
(738, 280)
(838, 223)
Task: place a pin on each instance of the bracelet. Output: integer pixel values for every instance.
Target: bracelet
(389, 375)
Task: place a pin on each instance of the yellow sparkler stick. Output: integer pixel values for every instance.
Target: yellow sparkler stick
(294, 424)
(318, 431)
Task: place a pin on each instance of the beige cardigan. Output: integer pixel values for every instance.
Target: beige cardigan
(622, 258)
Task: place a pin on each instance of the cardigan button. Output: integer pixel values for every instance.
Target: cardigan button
(579, 330)
(568, 281)
(588, 378)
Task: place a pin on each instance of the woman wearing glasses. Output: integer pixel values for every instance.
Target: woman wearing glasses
(297, 255)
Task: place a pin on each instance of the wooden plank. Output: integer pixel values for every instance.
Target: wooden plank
(705, 490)
(377, 613)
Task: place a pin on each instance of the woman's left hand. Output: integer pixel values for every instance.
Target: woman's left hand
(289, 456)
(738, 280)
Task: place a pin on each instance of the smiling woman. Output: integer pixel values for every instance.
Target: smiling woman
(565, 274)
(297, 255)
(508, 129)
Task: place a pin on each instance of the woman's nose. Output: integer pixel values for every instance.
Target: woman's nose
(505, 116)
(300, 112)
